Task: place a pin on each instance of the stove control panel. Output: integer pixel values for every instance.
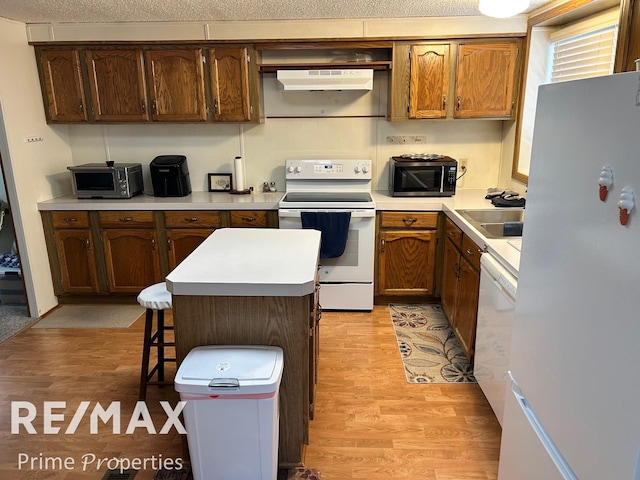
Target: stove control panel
(334, 169)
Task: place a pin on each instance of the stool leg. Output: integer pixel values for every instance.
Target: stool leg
(161, 346)
(146, 348)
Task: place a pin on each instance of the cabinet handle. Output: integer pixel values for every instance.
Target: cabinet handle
(382, 245)
(458, 103)
(144, 106)
(444, 102)
(81, 108)
(153, 243)
(409, 221)
(216, 106)
(154, 106)
(126, 219)
(87, 244)
(169, 244)
(452, 233)
(249, 219)
(70, 219)
(470, 252)
(192, 219)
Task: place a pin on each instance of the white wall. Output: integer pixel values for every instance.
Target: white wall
(333, 124)
(35, 171)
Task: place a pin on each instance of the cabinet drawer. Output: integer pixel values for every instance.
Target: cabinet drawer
(471, 252)
(249, 218)
(195, 219)
(452, 232)
(409, 219)
(126, 219)
(70, 219)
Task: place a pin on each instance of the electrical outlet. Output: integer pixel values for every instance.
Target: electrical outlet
(33, 139)
(406, 139)
(462, 163)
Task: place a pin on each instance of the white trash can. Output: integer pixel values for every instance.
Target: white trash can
(232, 410)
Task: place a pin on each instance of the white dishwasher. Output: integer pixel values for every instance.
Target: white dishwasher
(493, 335)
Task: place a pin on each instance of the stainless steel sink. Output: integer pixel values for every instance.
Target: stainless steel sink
(496, 223)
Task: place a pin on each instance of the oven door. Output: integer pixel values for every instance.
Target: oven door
(355, 265)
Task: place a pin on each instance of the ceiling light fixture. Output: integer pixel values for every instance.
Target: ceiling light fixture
(502, 8)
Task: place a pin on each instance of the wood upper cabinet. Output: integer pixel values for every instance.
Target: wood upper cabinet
(459, 79)
(485, 80)
(131, 250)
(63, 90)
(231, 96)
(176, 85)
(429, 85)
(406, 253)
(117, 82)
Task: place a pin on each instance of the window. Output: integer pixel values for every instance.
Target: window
(584, 49)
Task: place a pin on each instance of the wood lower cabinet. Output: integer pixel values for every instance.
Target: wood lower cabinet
(461, 286)
(406, 253)
(186, 230)
(132, 256)
(74, 255)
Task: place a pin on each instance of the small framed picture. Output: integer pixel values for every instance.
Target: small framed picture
(219, 182)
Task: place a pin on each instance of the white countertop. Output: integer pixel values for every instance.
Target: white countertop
(504, 252)
(250, 262)
(193, 201)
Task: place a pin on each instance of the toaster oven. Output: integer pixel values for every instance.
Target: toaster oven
(106, 180)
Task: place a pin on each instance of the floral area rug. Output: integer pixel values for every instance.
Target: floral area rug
(428, 347)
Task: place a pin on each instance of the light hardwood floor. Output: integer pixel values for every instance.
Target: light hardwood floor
(369, 423)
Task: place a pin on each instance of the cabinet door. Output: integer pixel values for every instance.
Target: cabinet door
(485, 80)
(181, 242)
(407, 262)
(77, 261)
(230, 84)
(467, 310)
(450, 280)
(429, 84)
(176, 85)
(132, 259)
(62, 79)
(118, 91)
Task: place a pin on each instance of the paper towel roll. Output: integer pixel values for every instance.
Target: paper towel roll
(238, 174)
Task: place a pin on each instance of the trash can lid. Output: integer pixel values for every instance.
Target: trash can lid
(230, 369)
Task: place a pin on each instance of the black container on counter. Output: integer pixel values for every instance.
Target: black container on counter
(170, 176)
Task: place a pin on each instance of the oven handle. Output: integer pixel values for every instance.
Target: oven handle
(354, 213)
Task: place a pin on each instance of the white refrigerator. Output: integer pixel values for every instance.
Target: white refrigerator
(574, 411)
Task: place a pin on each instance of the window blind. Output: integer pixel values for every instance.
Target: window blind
(583, 51)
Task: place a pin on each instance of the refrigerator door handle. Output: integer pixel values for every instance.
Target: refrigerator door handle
(546, 441)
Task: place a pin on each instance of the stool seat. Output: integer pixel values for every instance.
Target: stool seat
(155, 297)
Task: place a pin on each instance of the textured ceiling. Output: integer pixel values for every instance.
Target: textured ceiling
(100, 11)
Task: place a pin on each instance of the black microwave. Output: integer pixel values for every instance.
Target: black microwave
(107, 180)
(422, 176)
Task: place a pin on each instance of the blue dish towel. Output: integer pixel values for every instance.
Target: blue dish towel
(334, 229)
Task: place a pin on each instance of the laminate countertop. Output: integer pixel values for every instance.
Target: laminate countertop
(250, 262)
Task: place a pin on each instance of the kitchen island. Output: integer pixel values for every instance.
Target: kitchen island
(256, 287)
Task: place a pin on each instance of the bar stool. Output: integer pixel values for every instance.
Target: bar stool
(154, 298)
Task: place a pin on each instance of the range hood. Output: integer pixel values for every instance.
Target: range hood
(331, 79)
